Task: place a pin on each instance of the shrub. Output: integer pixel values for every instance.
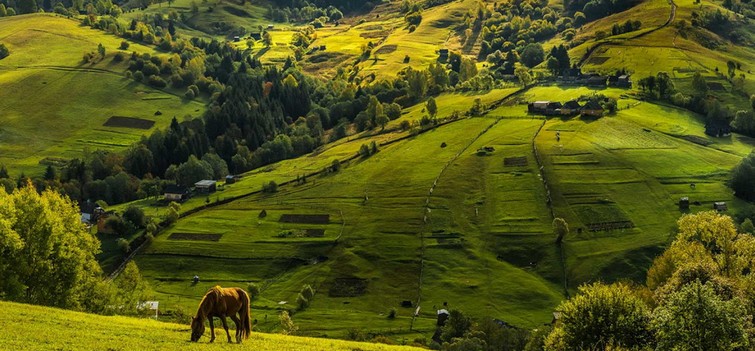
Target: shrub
(136, 216)
(157, 81)
(392, 313)
(138, 76)
(123, 245)
(124, 45)
(302, 302)
(270, 187)
(253, 289)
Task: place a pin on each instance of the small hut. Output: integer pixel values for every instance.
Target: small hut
(720, 206)
(684, 203)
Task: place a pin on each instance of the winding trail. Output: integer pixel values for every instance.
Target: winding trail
(591, 50)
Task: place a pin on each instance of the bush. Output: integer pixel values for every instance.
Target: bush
(308, 292)
(270, 187)
(157, 81)
(123, 245)
(253, 289)
(189, 94)
(119, 57)
(392, 313)
(743, 178)
(124, 45)
(138, 76)
(136, 216)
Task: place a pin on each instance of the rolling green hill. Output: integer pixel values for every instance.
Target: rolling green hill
(55, 106)
(45, 328)
(429, 219)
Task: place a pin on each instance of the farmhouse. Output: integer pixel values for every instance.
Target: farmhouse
(90, 212)
(720, 206)
(176, 193)
(593, 109)
(624, 82)
(538, 106)
(205, 186)
(230, 179)
(571, 107)
(719, 129)
(553, 108)
(597, 81)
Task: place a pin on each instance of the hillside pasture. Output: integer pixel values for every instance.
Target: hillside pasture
(40, 118)
(44, 328)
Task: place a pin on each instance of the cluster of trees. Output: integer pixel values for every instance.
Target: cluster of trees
(698, 296)
(594, 9)
(66, 8)
(343, 5)
(626, 27)
(303, 11)
(47, 257)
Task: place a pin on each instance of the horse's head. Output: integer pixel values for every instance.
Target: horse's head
(197, 328)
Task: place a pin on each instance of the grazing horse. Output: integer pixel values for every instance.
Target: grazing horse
(223, 302)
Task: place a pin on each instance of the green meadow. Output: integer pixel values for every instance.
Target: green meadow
(55, 329)
(434, 218)
(55, 106)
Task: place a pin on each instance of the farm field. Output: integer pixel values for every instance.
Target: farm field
(51, 328)
(75, 106)
(435, 219)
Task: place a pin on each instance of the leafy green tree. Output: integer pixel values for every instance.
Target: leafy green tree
(392, 110)
(47, 256)
(267, 39)
(553, 65)
(139, 160)
(695, 318)
(664, 85)
(561, 229)
(523, 74)
(382, 120)
(123, 245)
(27, 6)
(51, 173)
(136, 216)
(3, 172)
(699, 84)
(193, 171)
(132, 288)
(601, 316)
(456, 326)
(218, 165)
(743, 178)
(174, 209)
(432, 107)
(3, 11)
(532, 55)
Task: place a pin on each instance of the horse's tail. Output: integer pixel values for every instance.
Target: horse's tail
(246, 323)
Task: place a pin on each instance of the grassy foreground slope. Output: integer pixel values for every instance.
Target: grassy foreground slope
(54, 105)
(43, 328)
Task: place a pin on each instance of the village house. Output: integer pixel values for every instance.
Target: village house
(571, 107)
(205, 186)
(592, 109)
(553, 108)
(176, 193)
(537, 106)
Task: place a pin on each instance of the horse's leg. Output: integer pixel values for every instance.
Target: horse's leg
(212, 328)
(237, 321)
(225, 325)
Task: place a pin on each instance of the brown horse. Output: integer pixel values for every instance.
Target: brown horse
(223, 302)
